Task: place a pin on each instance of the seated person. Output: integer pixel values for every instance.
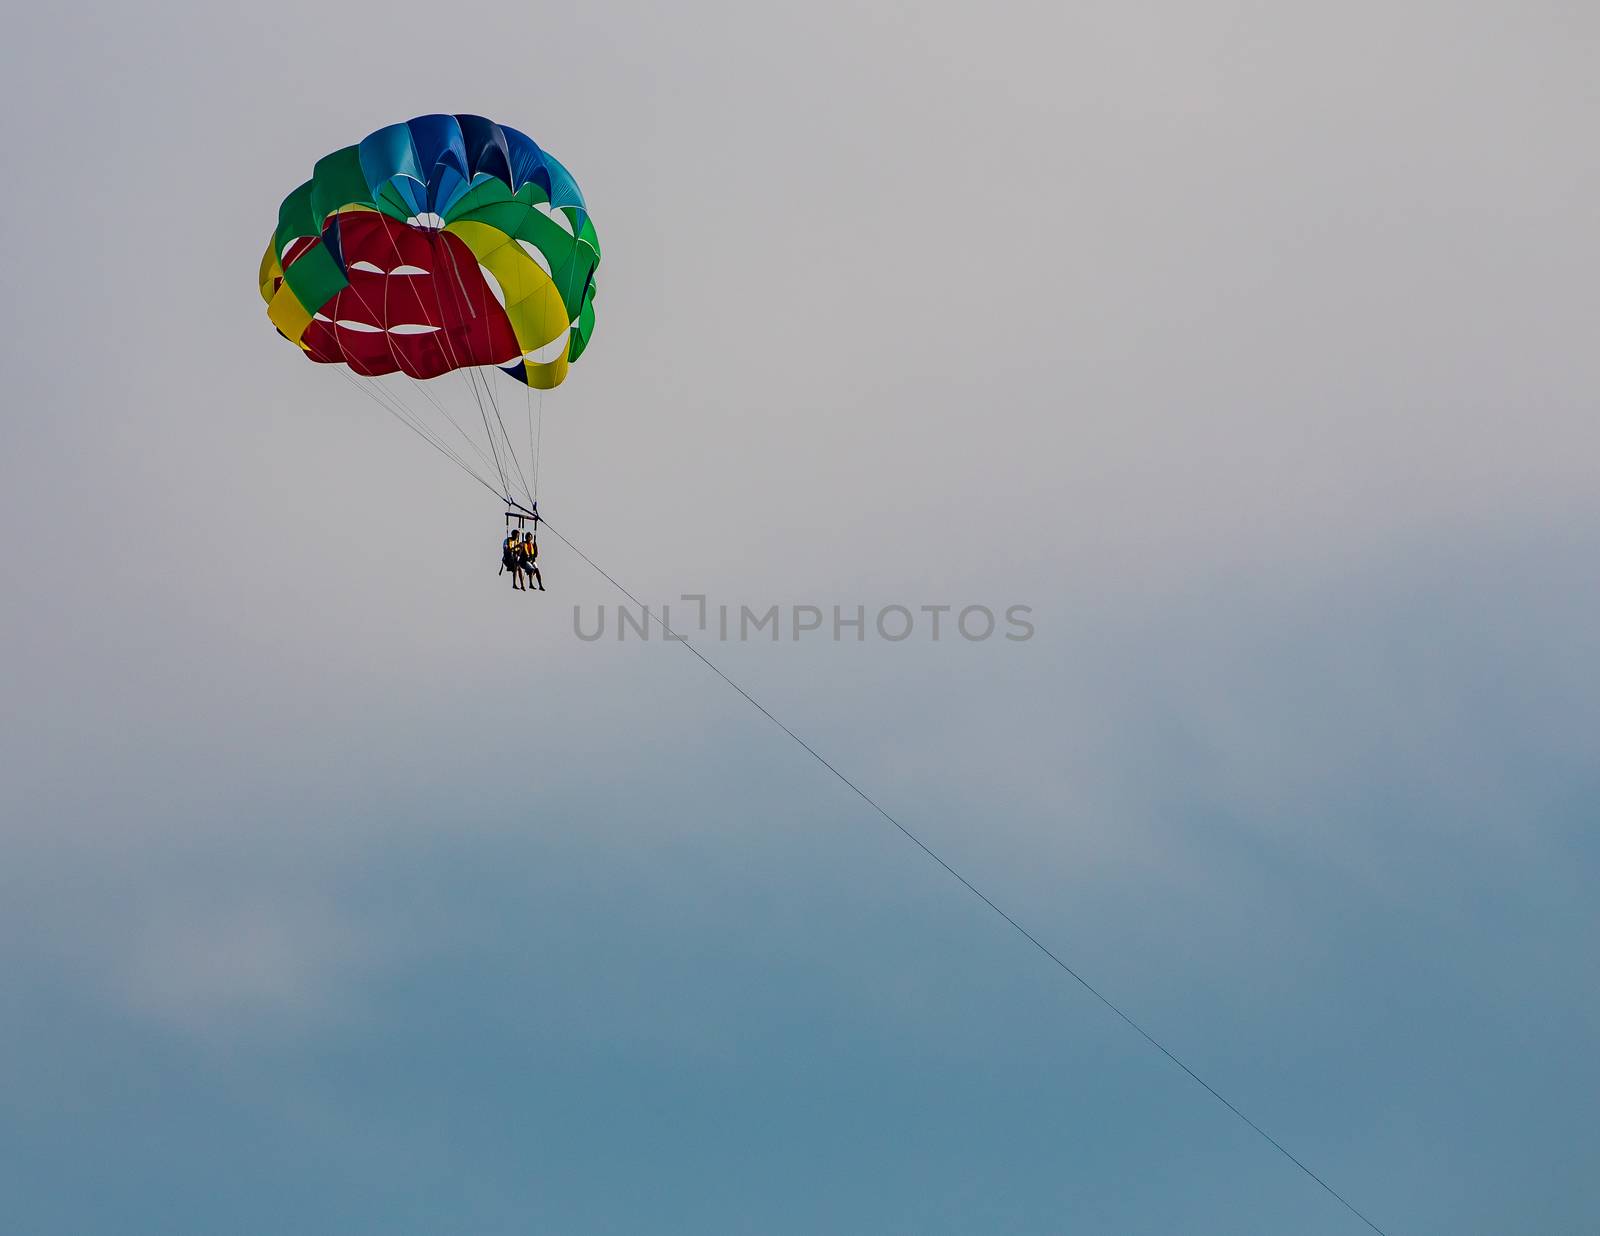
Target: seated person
(530, 556)
(511, 558)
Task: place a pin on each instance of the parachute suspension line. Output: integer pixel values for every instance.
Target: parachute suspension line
(391, 400)
(394, 403)
(448, 347)
(968, 885)
(375, 393)
(504, 433)
(505, 485)
(533, 454)
(455, 424)
(436, 243)
(388, 399)
(538, 448)
(474, 379)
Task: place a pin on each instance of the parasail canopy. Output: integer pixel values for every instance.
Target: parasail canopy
(435, 244)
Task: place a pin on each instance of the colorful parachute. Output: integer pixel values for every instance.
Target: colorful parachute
(440, 245)
(444, 242)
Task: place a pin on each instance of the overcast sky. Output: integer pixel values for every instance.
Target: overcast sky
(1253, 347)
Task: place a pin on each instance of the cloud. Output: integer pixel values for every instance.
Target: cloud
(241, 970)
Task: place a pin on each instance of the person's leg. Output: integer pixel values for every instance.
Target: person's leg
(534, 572)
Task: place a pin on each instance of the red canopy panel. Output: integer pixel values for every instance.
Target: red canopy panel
(422, 279)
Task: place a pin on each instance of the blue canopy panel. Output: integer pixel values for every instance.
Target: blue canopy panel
(487, 153)
(389, 159)
(442, 152)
